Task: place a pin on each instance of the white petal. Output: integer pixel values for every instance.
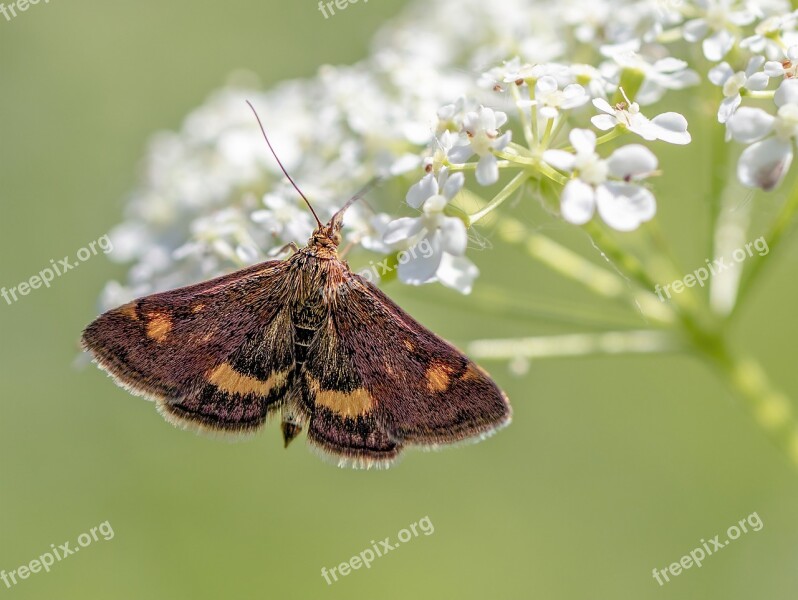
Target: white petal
(578, 202)
(501, 119)
(583, 140)
(574, 96)
(645, 128)
(603, 106)
(695, 30)
(421, 268)
(632, 161)
(501, 142)
(487, 170)
(457, 272)
(405, 163)
(757, 81)
(764, 164)
(672, 128)
(720, 73)
(718, 45)
(402, 229)
(754, 64)
(453, 185)
(454, 237)
(548, 112)
(669, 65)
(434, 204)
(420, 191)
(603, 122)
(741, 17)
(787, 93)
(559, 159)
(487, 118)
(677, 81)
(545, 86)
(460, 153)
(773, 68)
(727, 108)
(750, 124)
(261, 216)
(624, 206)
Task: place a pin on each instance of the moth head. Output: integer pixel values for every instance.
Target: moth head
(329, 235)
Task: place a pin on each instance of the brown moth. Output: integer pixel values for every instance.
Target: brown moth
(305, 338)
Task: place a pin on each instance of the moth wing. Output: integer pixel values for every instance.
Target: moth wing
(217, 355)
(375, 379)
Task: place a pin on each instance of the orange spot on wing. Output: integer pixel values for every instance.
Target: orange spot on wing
(346, 404)
(159, 326)
(129, 311)
(227, 379)
(473, 372)
(409, 345)
(438, 376)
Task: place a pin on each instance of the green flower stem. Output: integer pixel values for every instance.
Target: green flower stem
(527, 127)
(578, 344)
(759, 95)
(520, 150)
(718, 172)
(547, 133)
(571, 265)
(770, 408)
(503, 164)
(610, 135)
(773, 238)
(505, 193)
(517, 158)
(624, 261)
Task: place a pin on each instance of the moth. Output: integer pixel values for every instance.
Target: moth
(304, 338)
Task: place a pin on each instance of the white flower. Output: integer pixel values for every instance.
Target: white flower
(550, 99)
(773, 34)
(750, 79)
(482, 131)
(766, 161)
(719, 21)
(372, 238)
(621, 203)
(284, 219)
(592, 79)
(669, 127)
(435, 243)
(431, 186)
(788, 67)
(660, 74)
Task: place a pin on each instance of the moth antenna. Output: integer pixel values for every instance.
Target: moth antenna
(282, 168)
(363, 191)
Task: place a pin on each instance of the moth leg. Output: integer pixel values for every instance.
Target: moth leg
(292, 246)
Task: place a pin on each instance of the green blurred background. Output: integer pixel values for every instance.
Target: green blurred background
(613, 466)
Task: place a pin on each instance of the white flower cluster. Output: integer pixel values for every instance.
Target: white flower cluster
(417, 113)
